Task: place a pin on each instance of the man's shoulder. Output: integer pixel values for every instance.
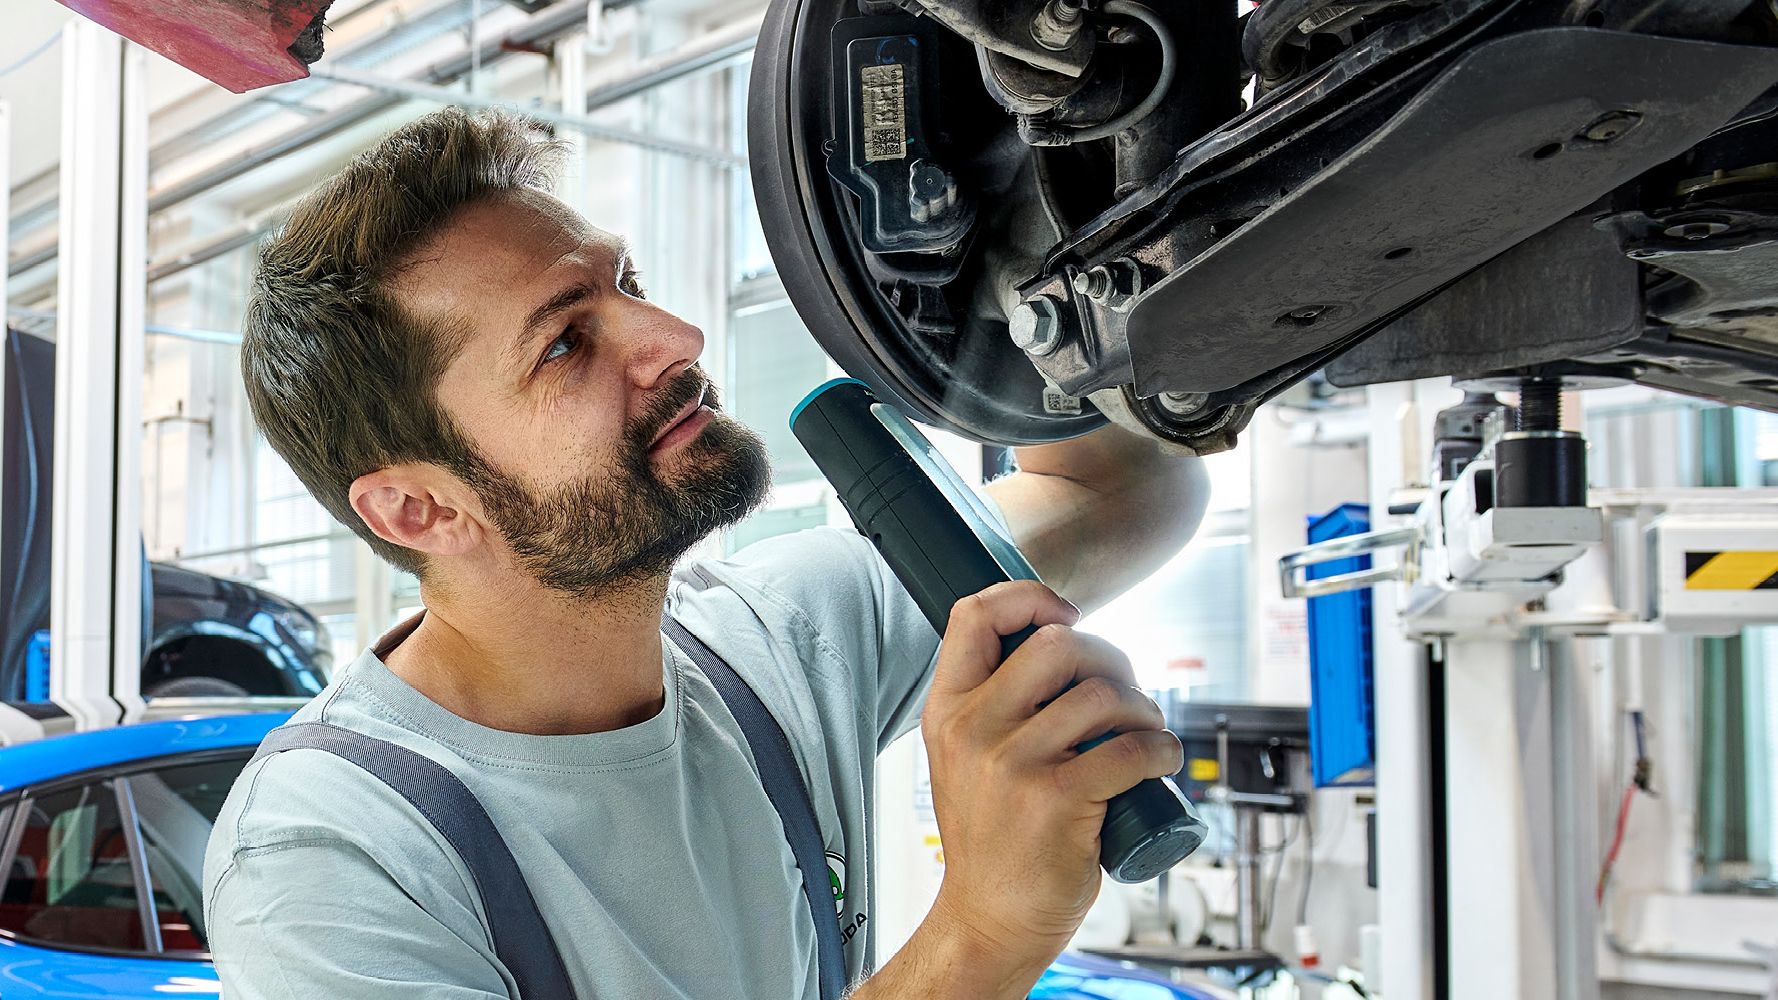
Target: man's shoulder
(817, 573)
(310, 798)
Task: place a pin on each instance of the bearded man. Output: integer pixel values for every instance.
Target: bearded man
(469, 376)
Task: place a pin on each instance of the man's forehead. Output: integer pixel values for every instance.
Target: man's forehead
(493, 253)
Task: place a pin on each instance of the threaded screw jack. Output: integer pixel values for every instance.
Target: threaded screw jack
(1540, 405)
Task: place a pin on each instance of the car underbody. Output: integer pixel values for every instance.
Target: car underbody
(1019, 218)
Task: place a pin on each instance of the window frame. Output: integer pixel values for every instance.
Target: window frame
(19, 801)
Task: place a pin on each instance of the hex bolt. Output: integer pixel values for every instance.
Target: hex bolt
(1540, 404)
(1036, 325)
(1183, 403)
(1611, 125)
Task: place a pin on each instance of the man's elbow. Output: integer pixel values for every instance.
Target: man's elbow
(1175, 496)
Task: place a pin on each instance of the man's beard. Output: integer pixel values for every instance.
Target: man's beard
(595, 535)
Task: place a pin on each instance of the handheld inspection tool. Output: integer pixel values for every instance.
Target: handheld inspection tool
(943, 544)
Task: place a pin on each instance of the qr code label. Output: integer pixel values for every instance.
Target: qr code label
(1057, 401)
(885, 112)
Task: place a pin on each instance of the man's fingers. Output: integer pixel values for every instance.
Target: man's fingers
(971, 648)
(1088, 710)
(1052, 659)
(1119, 763)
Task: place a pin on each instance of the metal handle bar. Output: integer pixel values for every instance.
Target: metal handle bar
(1297, 584)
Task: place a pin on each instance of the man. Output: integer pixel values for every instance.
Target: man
(469, 375)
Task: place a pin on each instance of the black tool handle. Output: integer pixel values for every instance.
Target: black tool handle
(934, 542)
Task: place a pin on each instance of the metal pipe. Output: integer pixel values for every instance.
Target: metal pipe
(684, 61)
(707, 51)
(712, 50)
(719, 46)
(208, 251)
(595, 130)
(1247, 881)
(241, 550)
(545, 28)
(37, 193)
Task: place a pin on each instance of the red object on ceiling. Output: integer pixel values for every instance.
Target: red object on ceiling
(238, 44)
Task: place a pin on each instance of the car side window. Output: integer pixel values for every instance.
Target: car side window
(176, 807)
(69, 881)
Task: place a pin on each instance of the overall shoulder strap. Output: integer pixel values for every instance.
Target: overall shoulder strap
(521, 939)
(783, 783)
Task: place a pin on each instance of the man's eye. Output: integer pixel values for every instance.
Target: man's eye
(562, 346)
(631, 284)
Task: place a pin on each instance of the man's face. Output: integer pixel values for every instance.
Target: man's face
(596, 446)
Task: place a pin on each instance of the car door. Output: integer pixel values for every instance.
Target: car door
(104, 876)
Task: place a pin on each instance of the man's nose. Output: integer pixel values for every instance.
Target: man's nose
(661, 345)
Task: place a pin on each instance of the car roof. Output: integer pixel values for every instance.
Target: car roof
(59, 756)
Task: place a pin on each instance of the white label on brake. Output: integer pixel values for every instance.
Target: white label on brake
(1057, 401)
(885, 112)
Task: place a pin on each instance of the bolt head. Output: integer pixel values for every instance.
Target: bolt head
(1701, 230)
(1183, 403)
(1610, 126)
(1036, 325)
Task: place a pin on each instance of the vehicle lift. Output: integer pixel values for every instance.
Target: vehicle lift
(1537, 615)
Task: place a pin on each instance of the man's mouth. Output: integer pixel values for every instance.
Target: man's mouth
(685, 424)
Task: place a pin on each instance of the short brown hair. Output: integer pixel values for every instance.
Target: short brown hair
(341, 380)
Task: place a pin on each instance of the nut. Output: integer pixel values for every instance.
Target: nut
(1057, 25)
(1036, 325)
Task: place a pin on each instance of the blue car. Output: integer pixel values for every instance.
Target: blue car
(102, 838)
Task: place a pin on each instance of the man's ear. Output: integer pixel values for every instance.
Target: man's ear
(417, 506)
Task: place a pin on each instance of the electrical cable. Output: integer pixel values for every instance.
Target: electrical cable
(1641, 775)
(1163, 83)
(1302, 902)
(42, 47)
(1617, 843)
(1282, 850)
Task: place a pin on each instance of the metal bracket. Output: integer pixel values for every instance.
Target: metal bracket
(1295, 584)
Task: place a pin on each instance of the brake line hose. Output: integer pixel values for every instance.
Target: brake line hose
(1169, 68)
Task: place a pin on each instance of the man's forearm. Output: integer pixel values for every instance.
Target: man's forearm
(947, 960)
(1101, 512)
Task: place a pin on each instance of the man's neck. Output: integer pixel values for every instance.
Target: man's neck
(526, 660)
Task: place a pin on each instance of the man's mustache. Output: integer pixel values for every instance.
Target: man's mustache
(675, 396)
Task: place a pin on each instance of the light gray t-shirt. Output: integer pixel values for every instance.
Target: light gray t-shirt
(655, 857)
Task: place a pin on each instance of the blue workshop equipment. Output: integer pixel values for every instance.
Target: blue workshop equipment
(1342, 708)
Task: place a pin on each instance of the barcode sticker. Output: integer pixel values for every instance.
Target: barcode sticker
(1057, 401)
(885, 112)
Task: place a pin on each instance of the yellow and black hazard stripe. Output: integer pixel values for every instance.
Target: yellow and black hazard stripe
(1738, 570)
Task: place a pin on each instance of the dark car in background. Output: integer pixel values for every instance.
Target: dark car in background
(216, 637)
(202, 636)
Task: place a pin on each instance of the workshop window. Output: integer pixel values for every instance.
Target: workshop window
(68, 879)
(773, 363)
(177, 807)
